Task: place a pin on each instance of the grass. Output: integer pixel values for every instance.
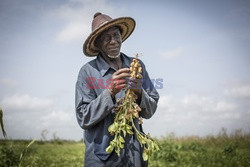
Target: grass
(42, 154)
(212, 151)
(54, 154)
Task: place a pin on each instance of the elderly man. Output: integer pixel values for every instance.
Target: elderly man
(95, 98)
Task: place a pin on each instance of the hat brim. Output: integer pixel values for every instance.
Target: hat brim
(126, 24)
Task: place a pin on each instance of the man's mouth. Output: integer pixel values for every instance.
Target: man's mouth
(114, 48)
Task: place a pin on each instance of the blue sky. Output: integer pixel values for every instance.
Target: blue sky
(199, 48)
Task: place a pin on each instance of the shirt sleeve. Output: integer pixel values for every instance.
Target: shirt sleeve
(149, 96)
(90, 108)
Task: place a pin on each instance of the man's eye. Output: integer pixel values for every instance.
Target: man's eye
(106, 38)
(116, 35)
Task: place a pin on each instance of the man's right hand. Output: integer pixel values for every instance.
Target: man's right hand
(119, 81)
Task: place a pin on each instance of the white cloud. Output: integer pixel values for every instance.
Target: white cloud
(194, 114)
(165, 102)
(58, 118)
(61, 121)
(241, 91)
(223, 106)
(196, 102)
(230, 116)
(72, 32)
(170, 54)
(8, 82)
(77, 16)
(207, 104)
(25, 102)
(26, 117)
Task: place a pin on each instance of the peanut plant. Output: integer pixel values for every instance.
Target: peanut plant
(126, 111)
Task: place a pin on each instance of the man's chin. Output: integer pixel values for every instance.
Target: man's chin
(113, 56)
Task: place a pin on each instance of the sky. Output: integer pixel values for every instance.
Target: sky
(200, 49)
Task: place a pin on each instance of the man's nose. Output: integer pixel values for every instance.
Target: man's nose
(112, 40)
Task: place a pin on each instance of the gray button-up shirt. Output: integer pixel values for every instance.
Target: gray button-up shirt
(94, 112)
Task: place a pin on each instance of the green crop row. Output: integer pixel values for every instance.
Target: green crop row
(212, 151)
(224, 151)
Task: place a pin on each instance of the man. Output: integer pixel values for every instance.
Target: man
(95, 98)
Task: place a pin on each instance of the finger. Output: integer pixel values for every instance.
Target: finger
(133, 84)
(119, 81)
(121, 76)
(122, 70)
(120, 86)
(132, 79)
(135, 80)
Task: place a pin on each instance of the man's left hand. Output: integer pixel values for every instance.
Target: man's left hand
(136, 85)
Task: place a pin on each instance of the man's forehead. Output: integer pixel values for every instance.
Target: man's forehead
(111, 30)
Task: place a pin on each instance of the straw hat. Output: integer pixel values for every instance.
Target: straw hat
(102, 22)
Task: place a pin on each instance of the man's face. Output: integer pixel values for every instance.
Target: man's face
(110, 42)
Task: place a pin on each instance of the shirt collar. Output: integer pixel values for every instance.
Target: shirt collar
(103, 66)
(125, 61)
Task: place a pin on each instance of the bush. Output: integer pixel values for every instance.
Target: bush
(13, 153)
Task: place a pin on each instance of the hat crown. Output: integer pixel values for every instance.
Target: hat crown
(99, 19)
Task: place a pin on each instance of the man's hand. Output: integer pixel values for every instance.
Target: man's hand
(119, 81)
(136, 85)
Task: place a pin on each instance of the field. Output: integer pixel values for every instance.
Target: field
(221, 150)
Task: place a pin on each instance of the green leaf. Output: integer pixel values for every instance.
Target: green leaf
(130, 131)
(117, 150)
(31, 143)
(124, 132)
(143, 141)
(145, 155)
(112, 143)
(128, 127)
(121, 139)
(111, 128)
(109, 149)
(121, 117)
(157, 147)
(1, 122)
(121, 145)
